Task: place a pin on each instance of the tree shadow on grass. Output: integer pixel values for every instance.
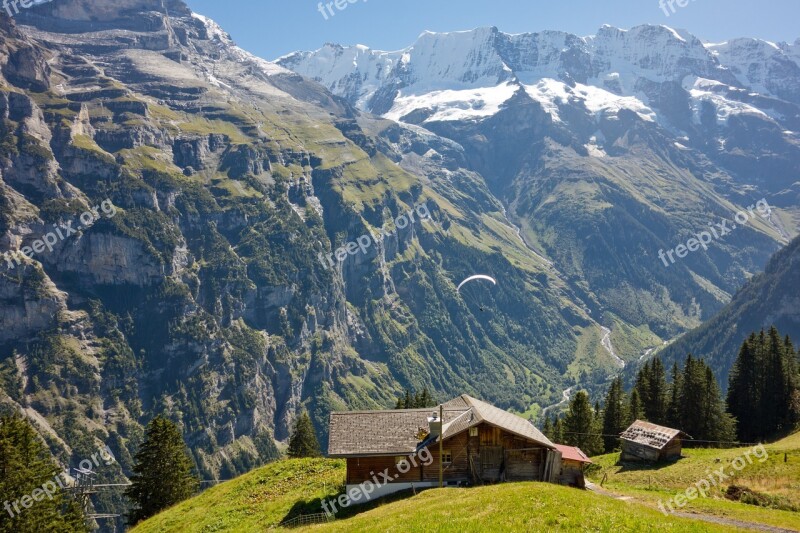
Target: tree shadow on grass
(632, 466)
(310, 507)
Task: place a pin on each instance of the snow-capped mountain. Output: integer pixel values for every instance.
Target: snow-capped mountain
(473, 74)
(606, 148)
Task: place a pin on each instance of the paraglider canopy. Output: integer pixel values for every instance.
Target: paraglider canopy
(473, 278)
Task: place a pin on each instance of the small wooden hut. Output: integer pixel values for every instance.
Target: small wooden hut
(644, 441)
(573, 462)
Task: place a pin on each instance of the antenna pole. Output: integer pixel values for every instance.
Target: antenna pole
(441, 445)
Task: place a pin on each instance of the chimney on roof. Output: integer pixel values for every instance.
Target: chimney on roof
(434, 425)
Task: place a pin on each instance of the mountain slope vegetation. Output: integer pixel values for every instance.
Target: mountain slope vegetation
(607, 150)
(771, 298)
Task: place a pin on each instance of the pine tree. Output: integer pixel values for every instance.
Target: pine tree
(655, 404)
(702, 408)
(427, 400)
(615, 415)
(674, 414)
(692, 398)
(415, 401)
(744, 391)
(642, 384)
(719, 425)
(635, 407)
(547, 428)
(162, 473)
(775, 394)
(792, 384)
(764, 389)
(651, 384)
(580, 428)
(558, 431)
(303, 442)
(25, 466)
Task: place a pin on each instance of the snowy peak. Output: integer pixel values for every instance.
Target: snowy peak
(472, 75)
(763, 66)
(659, 53)
(547, 54)
(457, 60)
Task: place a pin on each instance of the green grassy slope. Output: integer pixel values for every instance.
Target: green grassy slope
(776, 479)
(263, 498)
(514, 507)
(254, 501)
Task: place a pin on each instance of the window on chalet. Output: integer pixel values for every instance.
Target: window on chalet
(447, 457)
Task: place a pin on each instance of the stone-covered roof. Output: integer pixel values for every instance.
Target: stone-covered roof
(397, 431)
(649, 434)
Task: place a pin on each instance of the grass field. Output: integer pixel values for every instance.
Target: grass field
(776, 480)
(263, 498)
(513, 507)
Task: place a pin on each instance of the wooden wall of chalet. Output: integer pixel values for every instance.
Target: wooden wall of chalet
(491, 455)
(672, 450)
(360, 469)
(572, 474)
(496, 455)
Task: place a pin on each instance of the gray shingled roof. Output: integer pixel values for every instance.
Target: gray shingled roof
(503, 419)
(650, 434)
(395, 432)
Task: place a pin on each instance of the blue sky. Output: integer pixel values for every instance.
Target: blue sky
(271, 28)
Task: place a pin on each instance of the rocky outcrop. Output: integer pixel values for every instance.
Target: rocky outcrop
(31, 303)
(26, 68)
(194, 152)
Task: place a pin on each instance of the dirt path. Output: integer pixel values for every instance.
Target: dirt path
(694, 516)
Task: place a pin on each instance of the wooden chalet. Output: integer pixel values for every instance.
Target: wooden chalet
(647, 442)
(481, 444)
(573, 462)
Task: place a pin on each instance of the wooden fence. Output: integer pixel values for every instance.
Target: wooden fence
(306, 519)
